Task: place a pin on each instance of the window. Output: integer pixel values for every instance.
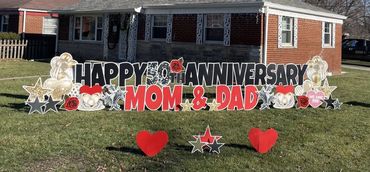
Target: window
(159, 30)
(328, 33)
(4, 23)
(50, 26)
(287, 31)
(214, 27)
(88, 28)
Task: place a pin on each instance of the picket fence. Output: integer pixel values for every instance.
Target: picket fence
(12, 49)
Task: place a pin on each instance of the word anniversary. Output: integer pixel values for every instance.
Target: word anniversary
(174, 72)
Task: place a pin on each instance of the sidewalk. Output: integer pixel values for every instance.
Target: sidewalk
(356, 67)
(23, 77)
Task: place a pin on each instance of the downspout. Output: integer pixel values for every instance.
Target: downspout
(24, 23)
(57, 38)
(266, 35)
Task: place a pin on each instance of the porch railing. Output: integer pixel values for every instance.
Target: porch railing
(12, 49)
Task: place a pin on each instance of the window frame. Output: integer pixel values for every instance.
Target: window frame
(205, 27)
(291, 30)
(330, 33)
(3, 23)
(152, 27)
(81, 25)
(50, 27)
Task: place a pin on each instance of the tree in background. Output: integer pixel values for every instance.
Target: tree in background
(357, 11)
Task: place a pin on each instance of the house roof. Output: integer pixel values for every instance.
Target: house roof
(36, 4)
(107, 5)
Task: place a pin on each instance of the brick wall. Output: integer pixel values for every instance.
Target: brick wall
(246, 29)
(34, 22)
(184, 28)
(309, 45)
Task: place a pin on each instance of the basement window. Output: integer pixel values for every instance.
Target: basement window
(159, 27)
(4, 23)
(88, 28)
(214, 27)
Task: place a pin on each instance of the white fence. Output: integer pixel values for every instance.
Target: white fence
(12, 49)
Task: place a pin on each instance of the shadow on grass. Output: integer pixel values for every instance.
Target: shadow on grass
(126, 150)
(183, 148)
(20, 107)
(354, 103)
(239, 146)
(16, 96)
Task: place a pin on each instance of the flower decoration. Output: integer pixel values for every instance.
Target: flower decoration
(71, 103)
(176, 66)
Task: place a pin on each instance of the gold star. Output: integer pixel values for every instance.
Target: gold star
(214, 105)
(327, 89)
(37, 91)
(57, 94)
(186, 106)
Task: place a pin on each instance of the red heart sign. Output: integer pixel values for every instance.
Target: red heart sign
(91, 90)
(151, 144)
(262, 141)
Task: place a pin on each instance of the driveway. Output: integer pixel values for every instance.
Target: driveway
(356, 67)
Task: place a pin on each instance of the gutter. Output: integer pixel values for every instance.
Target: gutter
(265, 42)
(93, 12)
(303, 11)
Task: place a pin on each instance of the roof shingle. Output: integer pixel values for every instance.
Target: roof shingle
(36, 4)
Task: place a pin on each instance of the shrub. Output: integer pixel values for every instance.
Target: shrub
(9, 36)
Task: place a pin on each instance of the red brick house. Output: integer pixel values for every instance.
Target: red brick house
(30, 16)
(265, 31)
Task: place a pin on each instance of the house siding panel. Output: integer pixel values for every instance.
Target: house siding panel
(184, 28)
(63, 33)
(82, 50)
(246, 29)
(309, 45)
(13, 23)
(160, 50)
(141, 27)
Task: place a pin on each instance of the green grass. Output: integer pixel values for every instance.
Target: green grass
(310, 140)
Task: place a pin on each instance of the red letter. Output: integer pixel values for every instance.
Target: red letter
(135, 100)
(222, 96)
(153, 97)
(236, 98)
(172, 101)
(251, 97)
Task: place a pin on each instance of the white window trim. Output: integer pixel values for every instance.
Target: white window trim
(44, 27)
(332, 35)
(205, 31)
(96, 28)
(152, 26)
(2, 23)
(294, 29)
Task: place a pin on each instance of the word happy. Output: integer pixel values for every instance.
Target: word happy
(206, 74)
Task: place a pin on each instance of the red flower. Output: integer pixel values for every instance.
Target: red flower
(303, 102)
(176, 66)
(71, 104)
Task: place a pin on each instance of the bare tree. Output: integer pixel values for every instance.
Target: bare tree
(357, 11)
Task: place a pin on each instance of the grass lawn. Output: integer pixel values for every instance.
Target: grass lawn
(310, 140)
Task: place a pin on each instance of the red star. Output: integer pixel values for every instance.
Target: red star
(207, 137)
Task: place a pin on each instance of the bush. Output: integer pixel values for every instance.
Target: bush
(9, 36)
